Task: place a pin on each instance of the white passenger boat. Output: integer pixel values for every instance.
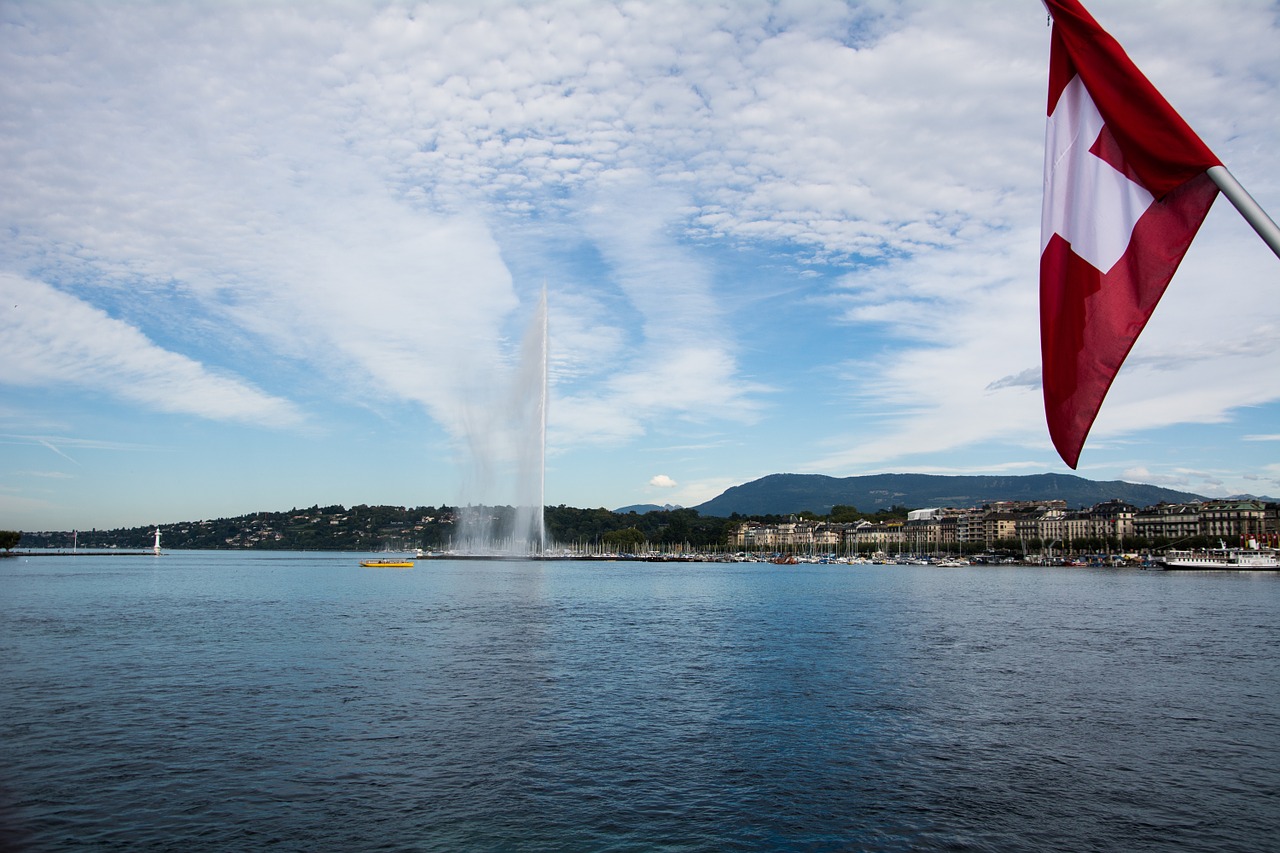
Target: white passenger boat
(1253, 558)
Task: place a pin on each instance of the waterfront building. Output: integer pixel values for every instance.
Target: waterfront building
(885, 536)
(1233, 521)
(1045, 525)
(1167, 522)
(851, 533)
(796, 536)
(753, 536)
(829, 538)
(922, 534)
(999, 526)
(1039, 527)
(969, 527)
(1112, 520)
(933, 530)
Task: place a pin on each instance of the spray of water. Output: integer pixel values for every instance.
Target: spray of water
(530, 406)
(507, 441)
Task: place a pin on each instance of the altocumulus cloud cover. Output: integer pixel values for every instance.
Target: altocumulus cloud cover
(261, 256)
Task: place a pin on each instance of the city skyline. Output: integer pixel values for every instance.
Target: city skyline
(259, 257)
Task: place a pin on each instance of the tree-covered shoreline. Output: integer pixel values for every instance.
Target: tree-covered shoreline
(376, 528)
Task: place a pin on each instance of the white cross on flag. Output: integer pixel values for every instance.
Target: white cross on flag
(1125, 191)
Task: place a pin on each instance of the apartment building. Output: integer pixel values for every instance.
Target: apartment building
(1042, 524)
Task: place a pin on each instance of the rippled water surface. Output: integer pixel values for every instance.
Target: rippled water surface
(299, 702)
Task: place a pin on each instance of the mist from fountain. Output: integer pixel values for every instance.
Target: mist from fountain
(507, 442)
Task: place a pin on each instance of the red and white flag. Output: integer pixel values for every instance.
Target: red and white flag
(1125, 191)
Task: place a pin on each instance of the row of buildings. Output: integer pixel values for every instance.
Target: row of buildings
(1028, 525)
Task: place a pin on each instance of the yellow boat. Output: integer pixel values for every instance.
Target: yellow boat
(387, 564)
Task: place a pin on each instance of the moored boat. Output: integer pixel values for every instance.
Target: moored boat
(1238, 559)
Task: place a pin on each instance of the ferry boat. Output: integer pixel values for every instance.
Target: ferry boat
(1252, 558)
(387, 564)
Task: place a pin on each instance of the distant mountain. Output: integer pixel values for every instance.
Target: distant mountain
(641, 509)
(780, 494)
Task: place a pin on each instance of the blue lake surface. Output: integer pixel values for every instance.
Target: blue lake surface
(232, 701)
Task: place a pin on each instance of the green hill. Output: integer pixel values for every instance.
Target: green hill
(779, 494)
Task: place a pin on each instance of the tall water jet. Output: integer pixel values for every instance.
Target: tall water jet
(507, 440)
(530, 407)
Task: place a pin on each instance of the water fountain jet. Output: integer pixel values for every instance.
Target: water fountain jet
(511, 436)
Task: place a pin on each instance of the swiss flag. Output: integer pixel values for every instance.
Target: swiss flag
(1125, 191)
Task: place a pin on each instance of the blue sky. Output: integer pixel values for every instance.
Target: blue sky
(259, 256)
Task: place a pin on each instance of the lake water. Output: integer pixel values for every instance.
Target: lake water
(231, 701)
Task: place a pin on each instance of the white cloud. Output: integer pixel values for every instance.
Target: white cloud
(48, 338)
(662, 481)
(700, 491)
(1141, 474)
(357, 203)
(682, 363)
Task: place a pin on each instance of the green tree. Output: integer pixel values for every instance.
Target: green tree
(624, 540)
(844, 514)
(9, 539)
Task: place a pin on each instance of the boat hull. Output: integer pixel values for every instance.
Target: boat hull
(387, 564)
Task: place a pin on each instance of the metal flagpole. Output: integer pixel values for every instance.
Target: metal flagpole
(1249, 209)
